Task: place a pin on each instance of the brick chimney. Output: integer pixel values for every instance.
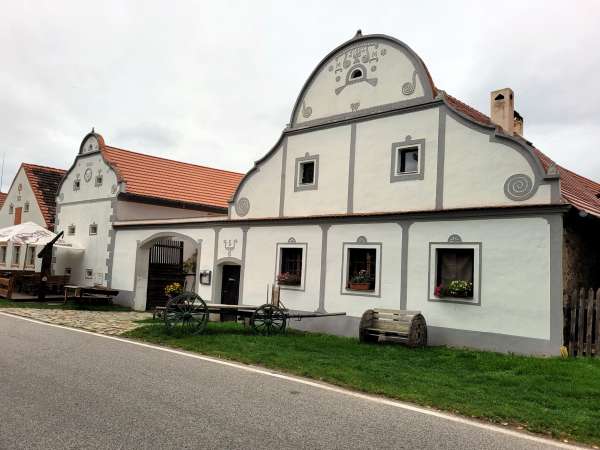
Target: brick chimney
(502, 106)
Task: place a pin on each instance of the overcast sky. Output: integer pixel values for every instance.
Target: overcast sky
(214, 83)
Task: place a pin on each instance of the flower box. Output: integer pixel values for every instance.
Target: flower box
(288, 279)
(359, 286)
(289, 282)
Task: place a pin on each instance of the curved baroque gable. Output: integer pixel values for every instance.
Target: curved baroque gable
(364, 75)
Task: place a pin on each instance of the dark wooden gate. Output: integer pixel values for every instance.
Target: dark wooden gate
(165, 267)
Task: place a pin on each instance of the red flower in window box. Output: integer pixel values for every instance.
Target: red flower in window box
(288, 279)
(360, 282)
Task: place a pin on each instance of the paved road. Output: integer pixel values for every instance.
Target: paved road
(64, 389)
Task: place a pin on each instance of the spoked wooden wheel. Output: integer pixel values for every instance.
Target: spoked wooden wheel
(268, 319)
(188, 312)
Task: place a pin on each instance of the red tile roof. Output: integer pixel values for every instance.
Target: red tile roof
(160, 179)
(2, 198)
(44, 182)
(575, 189)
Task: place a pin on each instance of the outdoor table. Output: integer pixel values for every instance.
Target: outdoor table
(81, 293)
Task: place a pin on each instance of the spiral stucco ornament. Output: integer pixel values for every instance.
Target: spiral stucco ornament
(519, 187)
(242, 206)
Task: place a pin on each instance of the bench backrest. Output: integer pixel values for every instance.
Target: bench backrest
(392, 319)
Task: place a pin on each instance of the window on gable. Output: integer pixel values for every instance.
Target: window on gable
(356, 73)
(11, 209)
(71, 230)
(76, 185)
(93, 229)
(362, 269)
(68, 271)
(89, 274)
(290, 266)
(408, 160)
(98, 180)
(26, 207)
(454, 272)
(307, 172)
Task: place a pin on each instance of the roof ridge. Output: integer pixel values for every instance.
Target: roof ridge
(171, 160)
(38, 166)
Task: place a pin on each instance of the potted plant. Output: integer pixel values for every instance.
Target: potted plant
(456, 288)
(288, 279)
(360, 282)
(173, 290)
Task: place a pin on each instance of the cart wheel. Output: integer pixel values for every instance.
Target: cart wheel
(186, 311)
(268, 319)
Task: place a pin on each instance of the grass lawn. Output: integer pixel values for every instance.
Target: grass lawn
(552, 396)
(58, 304)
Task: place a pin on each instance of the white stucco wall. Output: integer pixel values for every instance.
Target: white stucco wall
(515, 284)
(128, 210)
(18, 200)
(476, 169)
(373, 190)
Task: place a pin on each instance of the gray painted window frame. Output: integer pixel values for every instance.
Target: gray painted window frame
(71, 233)
(477, 263)
(68, 271)
(90, 229)
(396, 149)
(304, 247)
(26, 207)
(85, 274)
(346, 246)
(299, 161)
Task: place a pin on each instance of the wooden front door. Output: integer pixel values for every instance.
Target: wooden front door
(165, 267)
(230, 289)
(18, 214)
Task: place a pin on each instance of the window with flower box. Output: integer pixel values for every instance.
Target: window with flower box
(361, 271)
(291, 262)
(455, 272)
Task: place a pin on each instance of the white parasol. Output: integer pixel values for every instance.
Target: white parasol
(32, 234)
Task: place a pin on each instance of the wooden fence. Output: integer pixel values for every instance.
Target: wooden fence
(581, 312)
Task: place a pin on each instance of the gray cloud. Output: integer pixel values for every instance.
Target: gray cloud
(214, 82)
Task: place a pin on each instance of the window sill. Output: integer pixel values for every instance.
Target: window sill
(460, 300)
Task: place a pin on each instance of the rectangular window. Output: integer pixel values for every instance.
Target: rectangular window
(455, 272)
(89, 274)
(76, 185)
(30, 258)
(454, 265)
(71, 230)
(362, 269)
(16, 255)
(3, 250)
(290, 267)
(11, 209)
(93, 229)
(68, 271)
(26, 207)
(307, 172)
(408, 160)
(98, 180)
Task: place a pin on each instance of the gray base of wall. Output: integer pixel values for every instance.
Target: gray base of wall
(125, 298)
(504, 343)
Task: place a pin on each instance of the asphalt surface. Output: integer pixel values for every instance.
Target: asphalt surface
(63, 389)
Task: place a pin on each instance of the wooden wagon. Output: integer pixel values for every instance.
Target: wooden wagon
(190, 312)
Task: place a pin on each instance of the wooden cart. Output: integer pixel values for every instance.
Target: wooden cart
(189, 311)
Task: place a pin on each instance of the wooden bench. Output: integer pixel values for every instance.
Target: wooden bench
(406, 327)
(6, 287)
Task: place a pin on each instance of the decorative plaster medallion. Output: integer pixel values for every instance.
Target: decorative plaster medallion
(361, 240)
(354, 106)
(291, 240)
(408, 88)
(306, 110)
(87, 176)
(352, 64)
(230, 245)
(242, 207)
(519, 187)
(454, 239)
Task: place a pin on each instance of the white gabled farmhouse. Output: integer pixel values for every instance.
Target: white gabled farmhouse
(384, 191)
